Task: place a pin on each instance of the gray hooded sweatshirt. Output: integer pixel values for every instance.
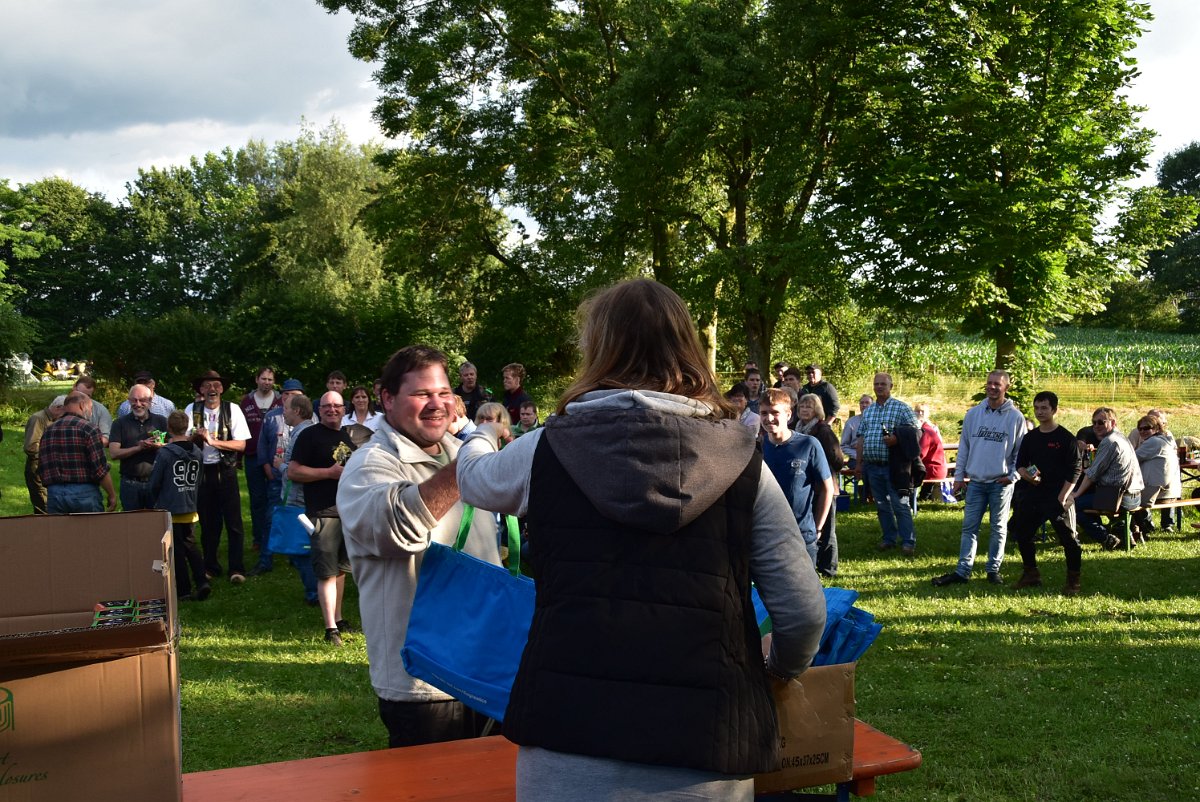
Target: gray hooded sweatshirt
(987, 449)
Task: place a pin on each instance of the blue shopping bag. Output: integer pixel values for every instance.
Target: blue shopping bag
(288, 535)
(469, 623)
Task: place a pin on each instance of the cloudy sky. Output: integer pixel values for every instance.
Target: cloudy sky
(91, 90)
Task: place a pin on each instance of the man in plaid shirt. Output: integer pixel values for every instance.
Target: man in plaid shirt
(72, 463)
(877, 434)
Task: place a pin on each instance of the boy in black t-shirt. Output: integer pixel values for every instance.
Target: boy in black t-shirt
(1049, 464)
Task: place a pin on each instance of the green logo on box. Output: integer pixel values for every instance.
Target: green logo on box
(6, 710)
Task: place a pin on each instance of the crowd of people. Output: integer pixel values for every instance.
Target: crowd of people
(651, 502)
(1035, 469)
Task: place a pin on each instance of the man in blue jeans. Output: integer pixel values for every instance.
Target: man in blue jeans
(72, 464)
(1114, 466)
(987, 466)
(876, 436)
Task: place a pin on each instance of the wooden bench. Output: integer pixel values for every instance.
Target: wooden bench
(1121, 517)
(474, 770)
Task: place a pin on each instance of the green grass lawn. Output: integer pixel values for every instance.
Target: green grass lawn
(1009, 695)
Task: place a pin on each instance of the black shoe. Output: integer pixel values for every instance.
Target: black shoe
(952, 578)
(345, 627)
(259, 570)
(885, 546)
(237, 578)
(995, 578)
(332, 637)
(311, 602)
(203, 592)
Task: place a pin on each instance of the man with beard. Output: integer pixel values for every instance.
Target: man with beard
(220, 427)
(398, 493)
(134, 444)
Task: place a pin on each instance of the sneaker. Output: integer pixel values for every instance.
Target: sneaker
(885, 546)
(908, 551)
(952, 578)
(1111, 542)
(203, 592)
(259, 570)
(995, 578)
(237, 578)
(183, 597)
(332, 637)
(345, 627)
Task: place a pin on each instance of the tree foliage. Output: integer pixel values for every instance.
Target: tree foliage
(19, 239)
(988, 160)
(1175, 270)
(686, 140)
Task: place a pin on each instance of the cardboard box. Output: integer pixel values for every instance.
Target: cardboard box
(816, 730)
(85, 712)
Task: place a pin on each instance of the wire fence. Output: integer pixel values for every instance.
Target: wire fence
(1071, 390)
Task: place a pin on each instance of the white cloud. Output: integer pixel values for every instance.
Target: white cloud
(92, 90)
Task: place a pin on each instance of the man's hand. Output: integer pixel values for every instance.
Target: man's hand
(958, 486)
(890, 440)
(112, 503)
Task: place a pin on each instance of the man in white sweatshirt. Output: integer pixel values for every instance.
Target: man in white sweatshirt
(987, 466)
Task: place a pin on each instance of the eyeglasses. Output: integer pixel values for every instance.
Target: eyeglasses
(1100, 422)
(333, 406)
(1145, 428)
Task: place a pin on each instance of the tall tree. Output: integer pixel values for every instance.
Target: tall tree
(687, 139)
(198, 226)
(19, 239)
(1175, 270)
(82, 278)
(988, 159)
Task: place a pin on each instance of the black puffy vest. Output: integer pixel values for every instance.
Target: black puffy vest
(643, 645)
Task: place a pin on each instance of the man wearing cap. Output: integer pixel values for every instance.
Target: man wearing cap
(135, 445)
(269, 448)
(34, 428)
(159, 405)
(220, 427)
(72, 464)
(255, 406)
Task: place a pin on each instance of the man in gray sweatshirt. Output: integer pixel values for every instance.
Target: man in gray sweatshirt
(987, 466)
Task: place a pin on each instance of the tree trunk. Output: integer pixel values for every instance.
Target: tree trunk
(1006, 353)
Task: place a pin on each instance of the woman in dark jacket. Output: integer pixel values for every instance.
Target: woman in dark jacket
(812, 422)
(649, 513)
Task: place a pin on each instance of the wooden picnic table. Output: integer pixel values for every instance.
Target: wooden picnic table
(473, 770)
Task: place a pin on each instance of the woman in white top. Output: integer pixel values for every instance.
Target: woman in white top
(361, 411)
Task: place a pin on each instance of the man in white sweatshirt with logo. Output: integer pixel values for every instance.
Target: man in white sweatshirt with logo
(987, 465)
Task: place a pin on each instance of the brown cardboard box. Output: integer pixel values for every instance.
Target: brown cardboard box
(87, 713)
(816, 730)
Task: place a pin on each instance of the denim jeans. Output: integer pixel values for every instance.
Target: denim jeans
(135, 494)
(257, 488)
(994, 498)
(1091, 525)
(74, 497)
(827, 547)
(891, 505)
